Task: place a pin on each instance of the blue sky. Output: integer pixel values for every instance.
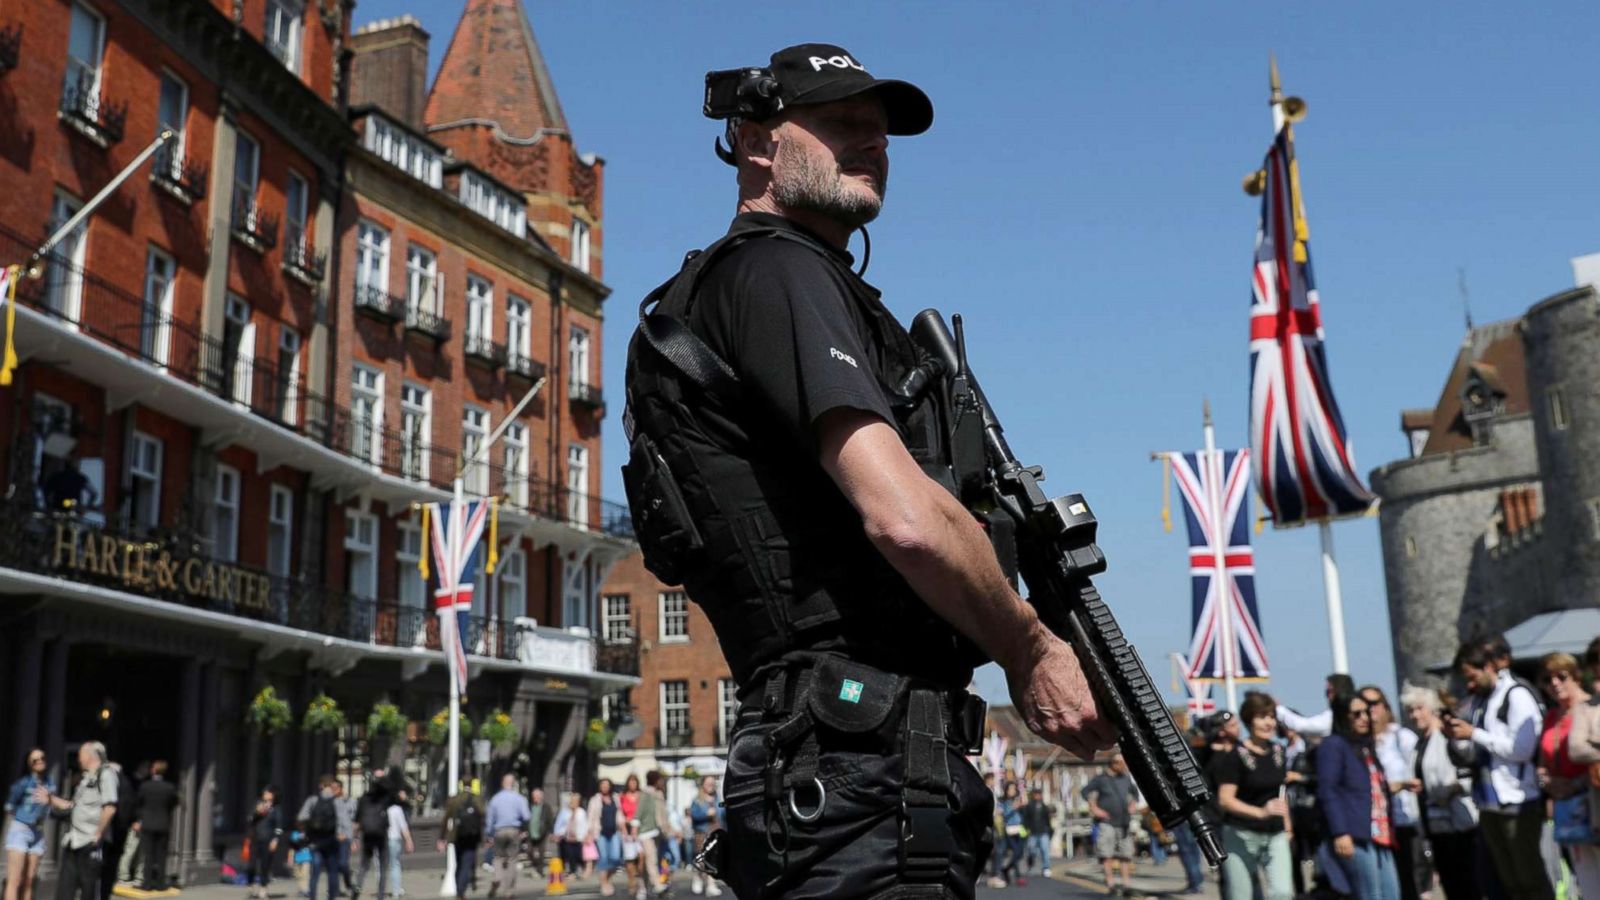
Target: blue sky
(1078, 201)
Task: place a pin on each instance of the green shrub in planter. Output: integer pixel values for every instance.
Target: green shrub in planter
(268, 713)
(439, 727)
(386, 720)
(498, 730)
(322, 715)
(599, 737)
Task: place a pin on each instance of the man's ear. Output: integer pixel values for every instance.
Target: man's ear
(757, 143)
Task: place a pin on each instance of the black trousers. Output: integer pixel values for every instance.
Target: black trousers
(155, 859)
(1455, 859)
(466, 866)
(79, 878)
(852, 849)
(374, 847)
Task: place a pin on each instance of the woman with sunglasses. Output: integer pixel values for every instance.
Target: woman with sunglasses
(28, 801)
(1564, 781)
(1353, 794)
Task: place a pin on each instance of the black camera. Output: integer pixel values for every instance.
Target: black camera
(742, 93)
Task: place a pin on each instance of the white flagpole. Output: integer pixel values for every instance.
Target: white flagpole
(88, 209)
(1330, 567)
(1219, 558)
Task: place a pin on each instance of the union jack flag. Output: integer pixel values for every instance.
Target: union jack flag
(1305, 468)
(1197, 690)
(456, 529)
(1209, 481)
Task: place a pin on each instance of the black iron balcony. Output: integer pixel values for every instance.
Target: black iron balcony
(252, 226)
(484, 352)
(10, 47)
(586, 395)
(83, 108)
(524, 366)
(675, 737)
(181, 177)
(428, 324)
(301, 259)
(379, 304)
(619, 657)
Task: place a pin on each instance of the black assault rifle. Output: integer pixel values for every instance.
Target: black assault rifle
(1056, 555)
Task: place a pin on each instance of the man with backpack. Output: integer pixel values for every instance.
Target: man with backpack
(326, 825)
(464, 816)
(1500, 739)
(372, 821)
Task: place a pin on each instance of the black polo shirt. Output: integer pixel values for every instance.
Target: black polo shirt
(783, 317)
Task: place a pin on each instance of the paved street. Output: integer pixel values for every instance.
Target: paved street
(1076, 879)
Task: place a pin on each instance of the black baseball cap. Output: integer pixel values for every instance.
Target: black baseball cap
(810, 74)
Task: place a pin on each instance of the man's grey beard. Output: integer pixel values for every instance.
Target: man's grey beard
(809, 184)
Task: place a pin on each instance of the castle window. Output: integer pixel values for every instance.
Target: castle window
(1594, 517)
(1557, 400)
(1411, 548)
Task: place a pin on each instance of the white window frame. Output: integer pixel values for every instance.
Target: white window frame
(519, 327)
(144, 466)
(366, 385)
(474, 432)
(512, 572)
(616, 618)
(416, 405)
(727, 709)
(290, 346)
(160, 279)
(176, 148)
(295, 210)
(284, 40)
(64, 281)
(372, 256)
(580, 244)
(237, 311)
(480, 309)
(246, 177)
(408, 578)
(578, 485)
(675, 711)
(355, 545)
(75, 66)
(280, 530)
(424, 284)
(515, 457)
(404, 151)
(578, 356)
(672, 620)
(225, 514)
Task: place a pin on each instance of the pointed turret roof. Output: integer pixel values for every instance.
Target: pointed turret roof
(494, 71)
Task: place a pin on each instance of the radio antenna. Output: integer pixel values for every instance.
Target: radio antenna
(1466, 298)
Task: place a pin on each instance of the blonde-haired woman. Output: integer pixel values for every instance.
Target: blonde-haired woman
(1449, 817)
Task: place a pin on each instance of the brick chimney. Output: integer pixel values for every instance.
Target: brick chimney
(390, 68)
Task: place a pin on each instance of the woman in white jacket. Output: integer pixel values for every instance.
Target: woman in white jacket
(1449, 818)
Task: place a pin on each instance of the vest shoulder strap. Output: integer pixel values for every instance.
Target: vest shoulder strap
(673, 340)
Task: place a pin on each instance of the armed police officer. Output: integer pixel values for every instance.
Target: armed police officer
(781, 470)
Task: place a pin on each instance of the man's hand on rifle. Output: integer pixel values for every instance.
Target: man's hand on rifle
(1049, 688)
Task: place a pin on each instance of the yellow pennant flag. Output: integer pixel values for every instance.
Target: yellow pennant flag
(427, 538)
(9, 276)
(494, 533)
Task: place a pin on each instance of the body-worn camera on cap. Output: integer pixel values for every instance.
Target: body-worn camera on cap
(748, 93)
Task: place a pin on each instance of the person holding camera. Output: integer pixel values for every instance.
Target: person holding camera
(778, 470)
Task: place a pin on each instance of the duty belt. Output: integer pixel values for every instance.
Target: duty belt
(807, 690)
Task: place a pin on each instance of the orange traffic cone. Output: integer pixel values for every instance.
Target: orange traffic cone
(558, 878)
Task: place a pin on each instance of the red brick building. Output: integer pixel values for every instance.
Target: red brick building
(243, 398)
(686, 699)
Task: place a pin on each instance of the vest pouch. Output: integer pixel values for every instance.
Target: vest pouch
(856, 699)
(667, 534)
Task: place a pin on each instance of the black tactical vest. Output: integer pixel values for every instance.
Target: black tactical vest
(766, 543)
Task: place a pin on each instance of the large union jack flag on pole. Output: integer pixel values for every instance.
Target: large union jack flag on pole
(1226, 640)
(455, 532)
(1304, 466)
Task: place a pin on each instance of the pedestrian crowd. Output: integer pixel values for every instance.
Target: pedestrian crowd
(1492, 795)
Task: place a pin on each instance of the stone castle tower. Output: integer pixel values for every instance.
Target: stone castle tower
(1495, 517)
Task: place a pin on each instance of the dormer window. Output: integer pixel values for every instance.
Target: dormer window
(494, 203)
(404, 151)
(1482, 400)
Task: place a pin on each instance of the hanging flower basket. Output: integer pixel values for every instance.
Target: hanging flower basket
(598, 737)
(386, 720)
(498, 729)
(439, 727)
(268, 713)
(322, 715)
